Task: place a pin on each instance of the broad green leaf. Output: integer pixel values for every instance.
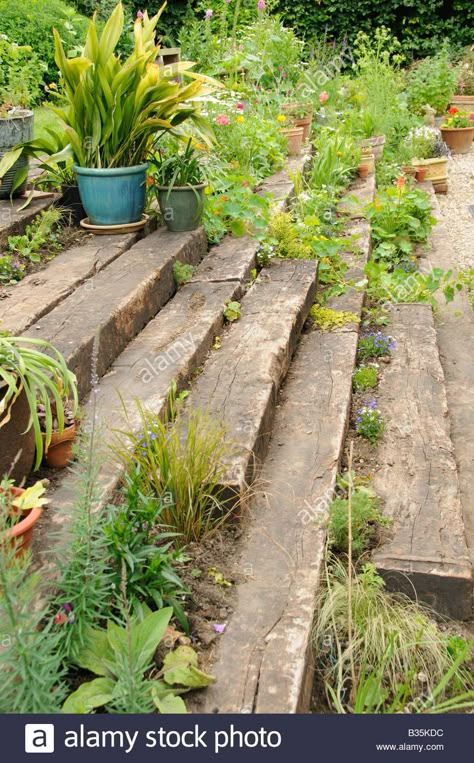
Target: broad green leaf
(180, 667)
(147, 635)
(90, 695)
(96, 655)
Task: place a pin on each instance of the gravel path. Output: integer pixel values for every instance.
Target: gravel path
(454, 207)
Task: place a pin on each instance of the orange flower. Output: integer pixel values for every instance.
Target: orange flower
(401, 182)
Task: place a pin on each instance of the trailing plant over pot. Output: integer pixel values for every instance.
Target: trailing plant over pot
(21, 509)
(178, 182)
(32, 371)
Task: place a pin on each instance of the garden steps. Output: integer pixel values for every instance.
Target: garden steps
(239, 385)
(37, 294)
(268, 639)
(454, 324)
(418, 478)
(361, 192)
(117, 302)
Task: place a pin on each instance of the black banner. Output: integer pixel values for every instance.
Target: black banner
(235, 738)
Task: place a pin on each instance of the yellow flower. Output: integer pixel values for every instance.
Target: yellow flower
(281, 118)
(240, 119)
(52, 85)
(208, 190)
(338, 153)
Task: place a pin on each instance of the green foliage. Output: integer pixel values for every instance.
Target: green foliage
(386, 286)
(122, 655)
(233, 207)
(180, 461)
(232, 311)
(136, 542)
(391, 635)
(374, 344)
(432, 81)
(420, 25)
(39, 242)
(329, 320)
(364, 377)
(366, 519)
(284, 238)
(401, 217)
(21, 74)
(176, 167)
(33, 680)
(31, 22)
(182, 273)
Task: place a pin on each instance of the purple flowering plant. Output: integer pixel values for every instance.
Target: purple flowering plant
(369, 422)
(375, 344)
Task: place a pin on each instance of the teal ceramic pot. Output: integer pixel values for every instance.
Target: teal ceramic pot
(15, 128)
(114, 196)
(181, 206)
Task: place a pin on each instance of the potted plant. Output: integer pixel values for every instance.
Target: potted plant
(112, 110)
(370, 128)
(457, 130)
(179, 184)
(425, 147)
(20, 511)
(58, 453)
(20, 78)
(301, 115)
(363, 170)
(32, 372)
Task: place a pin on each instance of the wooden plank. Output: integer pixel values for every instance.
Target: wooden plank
(118, 302)
(240, 383)
(418, 480)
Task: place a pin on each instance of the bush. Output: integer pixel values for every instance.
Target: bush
(31, 22)
(20, 75)
(433, 81)
(419, 25)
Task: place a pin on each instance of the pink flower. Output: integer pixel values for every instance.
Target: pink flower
(222, 119)
(261, 5)
(219, 627)
(139, 15)
(240, 106)
(323, 97)
(209, 13)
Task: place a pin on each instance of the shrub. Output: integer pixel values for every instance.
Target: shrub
(31, 22)
(432, 81)
(21, 75)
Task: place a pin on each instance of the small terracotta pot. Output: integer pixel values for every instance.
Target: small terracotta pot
(295, 140)
(20, 534)
(59, 453)
(421, 174)
(305, 123)
(410, 169)
(376, 144)
(363, 170)
(458, 139)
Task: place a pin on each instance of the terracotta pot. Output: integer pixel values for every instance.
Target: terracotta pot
(295, 140)
(17, 445)
(305, 123)
(368, 159)
(363, 170)
(376, 144)
(458, 139)
(436, 169)
(409, 169)
(59, 453)
(421, 174)
(20, 534)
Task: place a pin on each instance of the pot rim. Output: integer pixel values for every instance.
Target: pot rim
(135, 169)
(456, 129)
(30, 517)
(197, 187)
